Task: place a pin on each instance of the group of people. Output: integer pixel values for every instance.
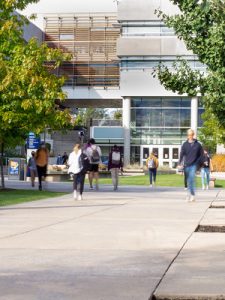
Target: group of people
(37, 164)
(193, 157)
(86, 160)
(62, 159)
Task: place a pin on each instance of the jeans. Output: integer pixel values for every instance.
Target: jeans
(78, 182)
(115, 177)
(190, 174)
(152, 175)
(205, 174)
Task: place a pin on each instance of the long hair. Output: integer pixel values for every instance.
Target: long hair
(76, 148)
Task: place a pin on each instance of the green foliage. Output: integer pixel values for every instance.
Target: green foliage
(87, 114)
(28, 87)
(118, 114)
(212, 133)
(201, 25)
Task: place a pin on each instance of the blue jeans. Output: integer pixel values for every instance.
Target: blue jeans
(152, 175)
(205, 174)
(190, 174)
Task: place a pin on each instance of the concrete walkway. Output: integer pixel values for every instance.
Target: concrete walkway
(125, 245)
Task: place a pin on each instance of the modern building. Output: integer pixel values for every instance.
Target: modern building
(113, 57)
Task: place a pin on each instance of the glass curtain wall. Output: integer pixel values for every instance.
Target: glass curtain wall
(160, 121)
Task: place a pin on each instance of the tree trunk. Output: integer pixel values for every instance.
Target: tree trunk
(2, 165)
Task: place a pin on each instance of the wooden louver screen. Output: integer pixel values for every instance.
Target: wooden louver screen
(91, 39)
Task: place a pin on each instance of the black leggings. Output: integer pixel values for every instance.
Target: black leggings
(41, 173)
(78, 182)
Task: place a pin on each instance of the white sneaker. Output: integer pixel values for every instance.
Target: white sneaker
(192, 198)
(203, 187)
(75, 195)
(185, 189)
(80, 198)
(207, 187)
(151, 185)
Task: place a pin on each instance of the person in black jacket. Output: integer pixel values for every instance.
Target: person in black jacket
(191, 154)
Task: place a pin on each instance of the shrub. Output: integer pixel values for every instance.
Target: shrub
(218, 162)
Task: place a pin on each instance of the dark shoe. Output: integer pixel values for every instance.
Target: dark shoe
(40, 188)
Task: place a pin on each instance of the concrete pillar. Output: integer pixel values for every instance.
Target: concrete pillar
(194, 114)
(126, 126)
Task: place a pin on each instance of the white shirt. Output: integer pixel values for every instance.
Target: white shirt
(73, 162)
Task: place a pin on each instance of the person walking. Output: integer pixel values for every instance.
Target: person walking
(152, 164)
(115, 165)
(41, 158)
(191, 153)
(207, 167)
(94, 154)
(77, 163)
(33, 168)
(64, 158)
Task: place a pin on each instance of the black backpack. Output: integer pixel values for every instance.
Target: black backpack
(84, 163)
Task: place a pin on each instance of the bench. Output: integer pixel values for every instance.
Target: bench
(212, 182)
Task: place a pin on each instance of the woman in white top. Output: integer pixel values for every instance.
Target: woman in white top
(75, 167)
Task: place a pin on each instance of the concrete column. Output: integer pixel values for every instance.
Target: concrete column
(126, 126)
(194, 114)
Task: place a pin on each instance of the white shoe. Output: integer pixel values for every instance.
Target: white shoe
(80, 198)
(185, 189)
(192, 198)
(75, 195)
(151, 185)
(203, 187)
(207, 187)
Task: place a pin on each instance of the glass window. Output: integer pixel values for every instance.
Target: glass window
(175, 153)
(145, 153)
(170, 102)
(66, 37)
(185, 118)
(166, 153)
(156, 118)
(171, 117)
(200, 120)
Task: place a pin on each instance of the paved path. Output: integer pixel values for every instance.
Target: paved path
(109, 246)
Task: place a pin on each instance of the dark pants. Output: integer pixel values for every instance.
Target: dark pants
(152, 175)
(41, 171)
(78, 182)
(185, 180)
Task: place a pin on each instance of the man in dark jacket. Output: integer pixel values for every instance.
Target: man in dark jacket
(191, 154)
(114, 165)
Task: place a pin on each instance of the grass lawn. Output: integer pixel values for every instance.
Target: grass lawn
(10, 197)
(172, 180)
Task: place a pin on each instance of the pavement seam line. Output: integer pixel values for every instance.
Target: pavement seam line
(152, 296)
(61, 222)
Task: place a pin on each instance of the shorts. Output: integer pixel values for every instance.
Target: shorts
(94, 168)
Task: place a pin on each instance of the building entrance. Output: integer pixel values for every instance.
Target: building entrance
(168, 155)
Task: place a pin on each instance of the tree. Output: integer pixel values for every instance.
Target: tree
(86, 115)
(201, 25)
(28, 90)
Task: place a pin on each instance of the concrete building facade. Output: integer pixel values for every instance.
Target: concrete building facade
(113, 58)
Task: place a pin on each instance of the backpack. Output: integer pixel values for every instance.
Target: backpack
(151, 163)
(115, 158)
(84, 163)
(95, 157)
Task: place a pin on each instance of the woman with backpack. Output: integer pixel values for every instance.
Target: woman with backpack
(152, 164)
(78, 164)
(94, 154)
(114, 165)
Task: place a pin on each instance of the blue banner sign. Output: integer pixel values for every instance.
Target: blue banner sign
(33, 142)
